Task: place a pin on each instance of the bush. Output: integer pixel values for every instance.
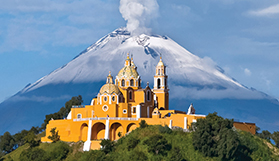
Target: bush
(175, 154)
(157, 144)
(59, 151)
(132, 142)
(143, 124)
(54, 137)
(34, 154)
(165, 129)
(137, 155)
(93, 155)
(214, 137)
(107, 145)
(30, 138)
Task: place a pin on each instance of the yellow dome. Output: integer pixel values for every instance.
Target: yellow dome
(109, 89)
(160, 62)
(128, 72)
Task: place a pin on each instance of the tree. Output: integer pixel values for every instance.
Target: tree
(275, 138)
(265, 134)
(19, 138)
(214, 137)
(30, 139)
(175, 154)
(157, 144)
(132, 142)
(34, 154)
(143, 124)
(107, 145)
(7, 142)
(54, 137)
(64, 111)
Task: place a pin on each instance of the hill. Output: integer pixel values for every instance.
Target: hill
(141, 144)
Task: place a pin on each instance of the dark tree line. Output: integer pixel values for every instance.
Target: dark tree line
(9, 142)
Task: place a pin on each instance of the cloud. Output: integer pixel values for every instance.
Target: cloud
(213, 93)
(269, 11)
(39, 98)
(138, 14)
(247, 72)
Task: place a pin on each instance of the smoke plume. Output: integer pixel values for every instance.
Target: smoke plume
(138, 14)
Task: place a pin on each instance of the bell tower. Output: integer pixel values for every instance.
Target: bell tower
(160, 86)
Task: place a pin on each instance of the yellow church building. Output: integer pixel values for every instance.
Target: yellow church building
(119, 108)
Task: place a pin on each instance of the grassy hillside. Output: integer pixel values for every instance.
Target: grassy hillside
(149, 143)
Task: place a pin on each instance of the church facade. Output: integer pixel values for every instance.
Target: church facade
(119, 107)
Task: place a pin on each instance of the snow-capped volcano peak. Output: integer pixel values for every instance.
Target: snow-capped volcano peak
(108, 54)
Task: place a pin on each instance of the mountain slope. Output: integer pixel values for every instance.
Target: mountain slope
(191, 79)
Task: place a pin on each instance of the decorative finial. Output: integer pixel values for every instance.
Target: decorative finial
(109, 73)
(160, 56)
(147, 83)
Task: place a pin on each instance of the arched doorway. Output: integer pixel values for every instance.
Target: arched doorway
(131, 127)
(116, 131)
(98, 131)
(83, 132)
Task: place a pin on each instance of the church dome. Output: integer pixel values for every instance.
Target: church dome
(160, 62)
(109, 89)
(128, 72)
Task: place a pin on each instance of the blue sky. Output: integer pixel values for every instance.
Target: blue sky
(241, 36)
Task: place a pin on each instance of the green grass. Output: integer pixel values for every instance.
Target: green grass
(256, 148)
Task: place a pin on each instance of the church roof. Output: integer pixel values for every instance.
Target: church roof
(160, 62)
(128, 72)
(109, 89)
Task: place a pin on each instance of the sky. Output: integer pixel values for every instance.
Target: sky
(241, 36)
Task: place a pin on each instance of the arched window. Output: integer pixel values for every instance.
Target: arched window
(159, 83)
(148, 96)
(131, 82)
(130, 95)
(79, 116)
(159, 72)
(123, 83)
(139, 82)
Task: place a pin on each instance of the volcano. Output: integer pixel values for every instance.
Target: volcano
(191, 79)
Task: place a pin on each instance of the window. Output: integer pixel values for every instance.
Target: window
(105, 98)
(148, 96)
(131, 82)
(159, 72)
(113, 98)
(105, 108)
(159, 83)
(130, 95)
(79, 116)
(139, 83)
(123, 83)
(124, 111)
(134, 110)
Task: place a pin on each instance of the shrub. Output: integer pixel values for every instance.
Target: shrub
(107, 145)
(143, 124)
(214, 137)
(132, 142)
(59, 151)
(137, 155)
(34, 154)
(54, 137)
(165, 129)
(93, 155)
(157, 144)
(30, 138)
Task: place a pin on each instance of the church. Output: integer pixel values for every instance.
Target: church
(120, 106)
